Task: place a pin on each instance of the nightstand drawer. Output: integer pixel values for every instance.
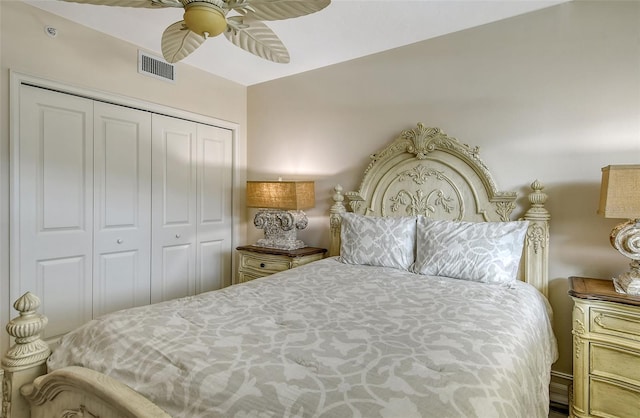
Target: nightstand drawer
(255, 261)
(245, 276)
(615, 322)
(609, 399)
(616, 363)
(266, 264)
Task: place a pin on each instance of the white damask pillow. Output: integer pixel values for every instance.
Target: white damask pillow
(378, 241)
(486, 252)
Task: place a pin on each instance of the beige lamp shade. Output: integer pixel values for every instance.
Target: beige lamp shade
(284, 195)
(620, 192)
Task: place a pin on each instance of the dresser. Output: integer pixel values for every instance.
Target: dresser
(262, 261)
(606, 350)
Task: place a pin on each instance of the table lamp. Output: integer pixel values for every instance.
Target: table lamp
(620, 198)
(280, 214)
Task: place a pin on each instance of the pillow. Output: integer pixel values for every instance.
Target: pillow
(378, 241)
(486, 252)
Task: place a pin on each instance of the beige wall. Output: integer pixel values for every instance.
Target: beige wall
(85, 58)
(552, 95)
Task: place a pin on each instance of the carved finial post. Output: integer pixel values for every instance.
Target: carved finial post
(26, 359)
(536, 251)
(537, 198)
(335, 220)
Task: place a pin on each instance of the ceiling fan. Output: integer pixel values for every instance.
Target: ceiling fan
(208, 18)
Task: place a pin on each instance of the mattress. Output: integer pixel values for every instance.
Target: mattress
(329, 339)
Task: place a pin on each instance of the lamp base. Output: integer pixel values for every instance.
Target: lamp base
(629, 282)
(280, 228)
(626, 239)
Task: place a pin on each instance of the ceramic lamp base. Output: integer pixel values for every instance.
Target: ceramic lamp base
(626, 239)
(280, 228)
(629, 282)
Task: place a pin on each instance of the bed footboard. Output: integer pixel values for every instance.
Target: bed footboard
(80, 392)
(27, 391)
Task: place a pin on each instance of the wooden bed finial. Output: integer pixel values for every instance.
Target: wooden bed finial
(538, 198)
(28, 348)
(28, 355)
(335, 220)
(536, 254)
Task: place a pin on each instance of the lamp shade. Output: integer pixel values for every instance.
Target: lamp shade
(620, 192)
(284, 195)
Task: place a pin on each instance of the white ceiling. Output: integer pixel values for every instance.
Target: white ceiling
(345, 30)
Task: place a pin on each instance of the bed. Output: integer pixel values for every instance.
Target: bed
(432, 302)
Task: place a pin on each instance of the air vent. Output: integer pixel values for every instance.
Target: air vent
(155, 67)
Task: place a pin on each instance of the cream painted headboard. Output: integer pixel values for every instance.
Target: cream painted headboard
(425, 172)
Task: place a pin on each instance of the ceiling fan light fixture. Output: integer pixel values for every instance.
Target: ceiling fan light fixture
(205, 18)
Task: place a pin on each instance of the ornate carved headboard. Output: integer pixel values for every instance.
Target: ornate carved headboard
(425, 172)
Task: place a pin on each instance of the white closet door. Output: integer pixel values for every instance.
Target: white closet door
(122, 208)
(173, 248)
(52, 209)
(214, 207)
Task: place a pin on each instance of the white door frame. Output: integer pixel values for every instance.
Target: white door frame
(16, 79)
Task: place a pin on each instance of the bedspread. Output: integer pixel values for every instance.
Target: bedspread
(331, 340)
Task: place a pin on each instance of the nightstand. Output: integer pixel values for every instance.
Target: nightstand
(606, 350)
(262, 261)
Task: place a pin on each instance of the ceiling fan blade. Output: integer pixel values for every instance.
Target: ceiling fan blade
(178, 42)
(257, 38)
(131, 3)
(279, 9)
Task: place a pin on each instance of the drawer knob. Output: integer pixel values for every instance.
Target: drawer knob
(119, 241)
(262, 265)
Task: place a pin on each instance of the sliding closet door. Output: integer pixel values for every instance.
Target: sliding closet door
(52, 209)
(122, 208)
(173, 247)
(214, 207)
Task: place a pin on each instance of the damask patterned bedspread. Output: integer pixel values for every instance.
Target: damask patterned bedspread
(332, 340)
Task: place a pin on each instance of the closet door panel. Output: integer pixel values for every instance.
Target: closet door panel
(122, 208)
(177, 263)
(52, 209)
(173, 208)
(64, 286)
(118, 283)
(178, 178)
(214, 207)
(212, 265)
